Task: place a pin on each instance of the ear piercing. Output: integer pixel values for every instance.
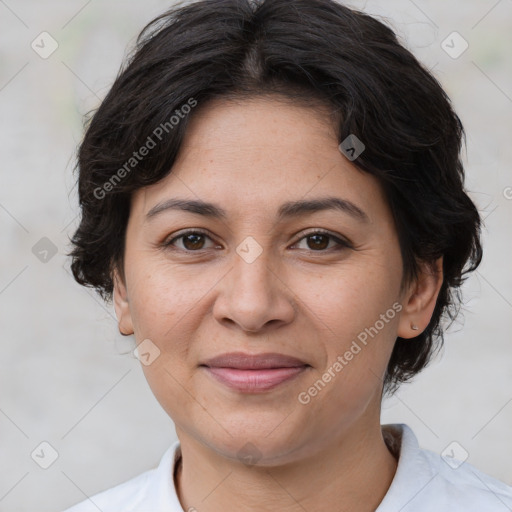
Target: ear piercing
(414, 327)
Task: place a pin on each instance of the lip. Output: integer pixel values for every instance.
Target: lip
(243, 361)
(253, 373)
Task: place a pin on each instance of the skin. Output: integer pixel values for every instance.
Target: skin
(296, 298)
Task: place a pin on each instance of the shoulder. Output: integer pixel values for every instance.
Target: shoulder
(460, 482)
(427, 481)
(147, 491)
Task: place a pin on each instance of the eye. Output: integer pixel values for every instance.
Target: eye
(318, 241)
(192, 240)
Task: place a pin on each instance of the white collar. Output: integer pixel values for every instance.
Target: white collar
(423, 482)
(410, 465)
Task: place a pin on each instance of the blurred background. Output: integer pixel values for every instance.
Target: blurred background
(69, 379)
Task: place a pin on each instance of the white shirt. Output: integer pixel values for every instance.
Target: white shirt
(424, 482)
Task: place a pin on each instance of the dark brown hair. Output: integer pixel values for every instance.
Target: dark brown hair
(307, 51)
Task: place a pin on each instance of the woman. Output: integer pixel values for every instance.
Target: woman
(272, 196)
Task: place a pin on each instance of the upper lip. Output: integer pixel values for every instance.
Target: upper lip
(243, 361)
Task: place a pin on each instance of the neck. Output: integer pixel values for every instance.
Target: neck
(353, 473)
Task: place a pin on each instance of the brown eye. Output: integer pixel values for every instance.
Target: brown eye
(191, 241)
(320, 241)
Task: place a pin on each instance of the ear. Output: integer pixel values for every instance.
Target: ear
(420, 300)
(122, 305)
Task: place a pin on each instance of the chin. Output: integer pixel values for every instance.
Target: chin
(252, 442)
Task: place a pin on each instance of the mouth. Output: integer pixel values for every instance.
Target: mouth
(254, 373)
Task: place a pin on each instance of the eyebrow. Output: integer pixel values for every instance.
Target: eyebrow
(286, 210)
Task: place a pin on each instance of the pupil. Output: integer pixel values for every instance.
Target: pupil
(195, 242)
(319, 245)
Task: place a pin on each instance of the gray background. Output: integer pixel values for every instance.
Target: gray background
(67, 377)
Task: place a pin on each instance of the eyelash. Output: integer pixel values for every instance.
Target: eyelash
(342, 244)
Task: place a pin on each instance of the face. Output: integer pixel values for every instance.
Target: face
(261, 272)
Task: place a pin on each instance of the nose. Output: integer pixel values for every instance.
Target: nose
(254, 296)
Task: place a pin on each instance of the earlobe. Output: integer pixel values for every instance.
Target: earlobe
(420, 300)
(122, 306)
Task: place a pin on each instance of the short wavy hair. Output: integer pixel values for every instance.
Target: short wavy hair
(312, 52)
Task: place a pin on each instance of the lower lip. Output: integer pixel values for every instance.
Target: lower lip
(254, 381)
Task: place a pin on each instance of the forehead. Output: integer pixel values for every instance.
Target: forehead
(256, 154)
(271, 119)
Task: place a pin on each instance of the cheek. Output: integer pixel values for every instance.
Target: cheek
(358, 314)
(169, 384)
(351, 380)
(164, 296)
(165, 304)
(352, 299)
